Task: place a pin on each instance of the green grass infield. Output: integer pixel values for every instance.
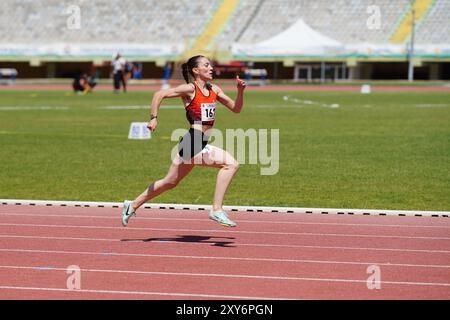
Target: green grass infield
(336, 149)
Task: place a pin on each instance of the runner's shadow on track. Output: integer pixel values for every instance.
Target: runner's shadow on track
(191, 238)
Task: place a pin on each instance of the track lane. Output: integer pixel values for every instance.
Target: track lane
(259, 254)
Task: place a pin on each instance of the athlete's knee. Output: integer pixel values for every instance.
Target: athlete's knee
(234, 165)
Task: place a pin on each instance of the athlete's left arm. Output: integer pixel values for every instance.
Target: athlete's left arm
(236, 105)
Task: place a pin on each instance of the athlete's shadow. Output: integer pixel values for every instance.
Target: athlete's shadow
(191, 238)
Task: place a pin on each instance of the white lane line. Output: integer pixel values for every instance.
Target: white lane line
(237, 244)
(145, 293)
(221, 275)
(224, 231)
(115, 217)
(225, 258)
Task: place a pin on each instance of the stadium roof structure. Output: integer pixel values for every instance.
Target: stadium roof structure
(298, 40)
(301, 41)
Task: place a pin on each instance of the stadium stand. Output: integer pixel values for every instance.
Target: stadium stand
(417, 11)
(107, 21)
(215, 25)
(178, 21)
(435, 27)
(161, 31)
(344, 20)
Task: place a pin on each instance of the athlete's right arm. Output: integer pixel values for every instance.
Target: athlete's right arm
(180, 91)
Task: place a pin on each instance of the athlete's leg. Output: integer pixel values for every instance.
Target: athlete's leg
(116, 78)
(177, 171)
(219, 158)
(124, 82)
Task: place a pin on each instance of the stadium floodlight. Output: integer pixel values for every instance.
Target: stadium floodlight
(411, 44)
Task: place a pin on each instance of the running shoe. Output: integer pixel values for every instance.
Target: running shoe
(222, 218)
(127, 212)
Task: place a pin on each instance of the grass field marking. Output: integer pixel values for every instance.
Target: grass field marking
(232, 208)
(265, 245)
(28, 108)
(272, 106)
(268, 106)
(172, 256)
(430, 105)
(312, 234)
(43, 134)
(289, 98)
(168, 107)
(222, 275)
(124, 107)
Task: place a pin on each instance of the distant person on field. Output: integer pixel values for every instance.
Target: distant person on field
(128, 71)
(83, 84)
(118, 65)
(137, 71)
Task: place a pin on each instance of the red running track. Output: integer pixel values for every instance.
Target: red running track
(177, 254)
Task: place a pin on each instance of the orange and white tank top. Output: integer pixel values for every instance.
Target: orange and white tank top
(202, 109)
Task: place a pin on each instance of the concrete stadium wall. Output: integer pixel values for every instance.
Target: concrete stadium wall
(70, 69)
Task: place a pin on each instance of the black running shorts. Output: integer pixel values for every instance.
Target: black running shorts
(192, 143)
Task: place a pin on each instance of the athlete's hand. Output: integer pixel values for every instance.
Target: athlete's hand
(152, 125)
(240, 83)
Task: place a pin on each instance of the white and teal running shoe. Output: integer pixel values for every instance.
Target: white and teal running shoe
(127, 212)
(222, 218)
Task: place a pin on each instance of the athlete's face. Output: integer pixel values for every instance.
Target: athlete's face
(204, 69)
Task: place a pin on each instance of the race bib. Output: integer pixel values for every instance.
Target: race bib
(208, 111)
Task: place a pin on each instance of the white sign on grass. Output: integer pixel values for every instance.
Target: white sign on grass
(365, 89)
(139, 130)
